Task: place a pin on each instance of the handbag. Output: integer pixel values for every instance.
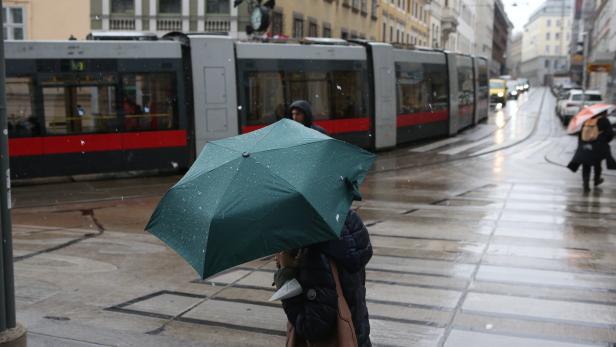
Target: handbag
(345, 331)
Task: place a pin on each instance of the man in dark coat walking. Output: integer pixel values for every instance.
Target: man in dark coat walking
(301, 111)
(590, 154)
(314, 313)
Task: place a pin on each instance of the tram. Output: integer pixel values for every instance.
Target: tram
(79, 107)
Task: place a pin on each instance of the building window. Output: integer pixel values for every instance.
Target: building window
(557, 36)
(547, 63)
(169, 6)
(277, 23)
(555, 64)
(549, 22)
(13, 19)
(298, 27)
(558, 22)
(374, 3)
(344, 34)
(327, 30)
(384, 31)
(547, 36)
(313, 30)
(122, 6)
(391, 33)
(217, 6)
(547, 49)
(556, 49)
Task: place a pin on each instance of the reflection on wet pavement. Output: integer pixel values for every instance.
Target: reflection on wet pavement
(478, 241)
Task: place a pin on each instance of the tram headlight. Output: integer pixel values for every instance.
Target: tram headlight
(500, 94)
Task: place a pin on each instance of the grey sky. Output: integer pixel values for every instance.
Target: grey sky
(518, 15)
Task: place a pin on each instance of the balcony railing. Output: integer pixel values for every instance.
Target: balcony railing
(122, 23)
(217, 23)
(168, 24)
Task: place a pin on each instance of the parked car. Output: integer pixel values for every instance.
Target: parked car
(513, 89)
(524, 83)
(573, 102)
(498, 91)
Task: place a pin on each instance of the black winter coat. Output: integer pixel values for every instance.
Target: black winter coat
(592, 153)
(314, 316)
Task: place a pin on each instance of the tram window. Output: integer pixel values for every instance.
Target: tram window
(466, 89)
(266, 97)
(312, 87)
(21, 121)
(80, 109)
(332, 94)
(149, 102)
(421, 88)
(350, 99)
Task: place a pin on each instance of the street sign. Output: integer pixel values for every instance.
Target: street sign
(600, 67)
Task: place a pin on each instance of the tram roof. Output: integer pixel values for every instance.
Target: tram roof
(72, 49)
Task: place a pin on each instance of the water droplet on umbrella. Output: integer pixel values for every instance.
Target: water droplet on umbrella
(83, 142)
(337, 217)
(174, 164)
(239, 107)
(338, 87)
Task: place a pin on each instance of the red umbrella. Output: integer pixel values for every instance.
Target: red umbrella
(587, 113)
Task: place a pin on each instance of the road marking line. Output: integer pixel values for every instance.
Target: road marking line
(437, 144)
(463, 148)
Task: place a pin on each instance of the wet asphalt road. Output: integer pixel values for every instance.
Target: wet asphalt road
(484, 239)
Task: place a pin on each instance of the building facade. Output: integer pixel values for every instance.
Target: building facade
(403, 21)
(545, 42)
(500, 37)
(484, 26)
(449, 24)
(38, 19)
(435, 9)
(602, 47)
(466, 41)
(347, 19)
(514, 55)
(162, 16)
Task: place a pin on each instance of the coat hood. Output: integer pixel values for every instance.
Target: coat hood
(305, 107)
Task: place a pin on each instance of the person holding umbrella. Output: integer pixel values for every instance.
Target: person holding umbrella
(595, 133)
(320, 268)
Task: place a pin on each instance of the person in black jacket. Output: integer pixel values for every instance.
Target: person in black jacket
(301, 111)
(314, 313)
(590, 154)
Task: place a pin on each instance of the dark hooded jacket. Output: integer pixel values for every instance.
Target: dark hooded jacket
(314, 316)
(305, 107)
(592, 153)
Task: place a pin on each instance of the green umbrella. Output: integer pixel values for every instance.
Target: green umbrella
(278, 188)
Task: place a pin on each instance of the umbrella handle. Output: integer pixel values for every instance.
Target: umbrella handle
(352, 186)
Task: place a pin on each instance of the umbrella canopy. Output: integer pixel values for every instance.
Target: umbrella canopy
(575, 125)
(278, 188)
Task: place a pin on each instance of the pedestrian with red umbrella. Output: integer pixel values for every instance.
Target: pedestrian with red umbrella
(595, 133)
